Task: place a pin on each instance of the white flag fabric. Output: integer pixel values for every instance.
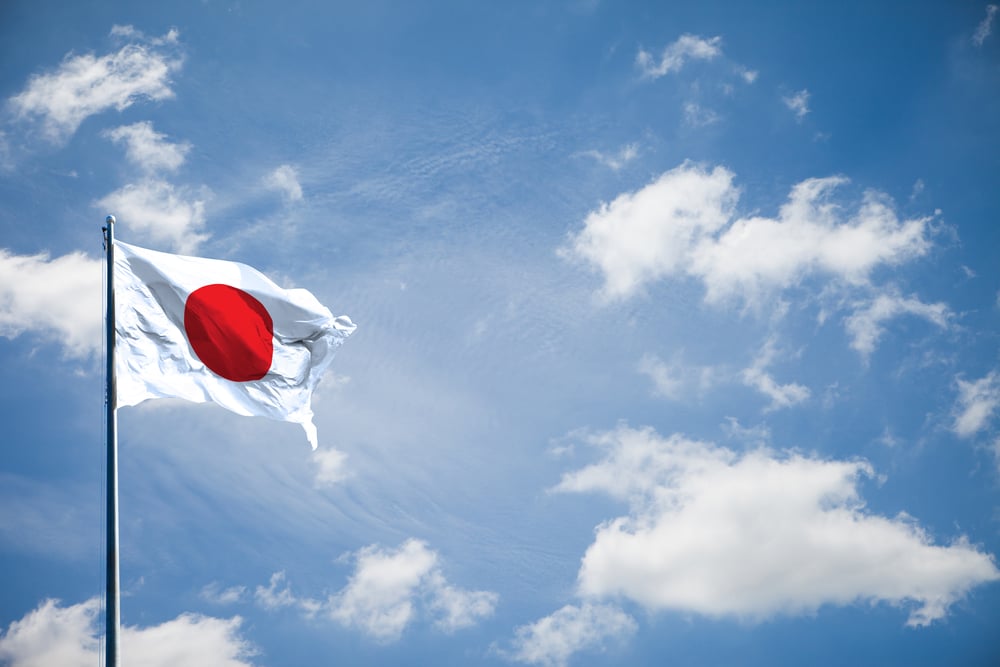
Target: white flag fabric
(219, 331)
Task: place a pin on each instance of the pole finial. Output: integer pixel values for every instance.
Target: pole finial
(110, 220)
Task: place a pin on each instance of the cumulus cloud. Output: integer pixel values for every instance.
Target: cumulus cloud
(977, 403)
(85, 85)
(160, 211)
(285, 179)
(757, 377)
(552, 640)
(867, 325)
(675, 55)
(455, 608)
(58, 298)
(757, 534)
(614, 161)
(683, 224)
(985, 27)
(388, 590)
(382, 595)
(798, 103)
(147, 148)
(70, 637)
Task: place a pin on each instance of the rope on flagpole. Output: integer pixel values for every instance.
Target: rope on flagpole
(112, 603)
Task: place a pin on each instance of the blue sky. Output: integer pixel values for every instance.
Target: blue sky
(677, 331)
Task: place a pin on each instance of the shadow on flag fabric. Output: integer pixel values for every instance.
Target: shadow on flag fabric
(212, 330)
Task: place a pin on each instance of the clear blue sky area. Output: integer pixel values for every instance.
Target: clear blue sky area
(677, 331)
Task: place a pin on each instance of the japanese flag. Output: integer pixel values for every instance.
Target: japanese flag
(211, 330)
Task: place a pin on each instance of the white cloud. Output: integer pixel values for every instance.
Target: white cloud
(687, 47)
(985, 27)
(867, 325)
(86, 85)
(69, 637)
(457, 608)
(697, 116)
(160, 211)
(748, 75)
(977, 403)
(683, 224)
(798, 103)
(617, 160)
(645, 235)
(781, 395)
(382, 594)
(273, 598)
(147, 148)
(331, 466)
(59, 298)
(757, 534)
(551, 641)
(215, 594)
(675, 380)
(131, 32)
(285, 179)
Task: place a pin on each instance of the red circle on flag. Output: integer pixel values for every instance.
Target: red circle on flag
(230, 331)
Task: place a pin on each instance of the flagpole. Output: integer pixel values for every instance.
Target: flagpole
(112, 606)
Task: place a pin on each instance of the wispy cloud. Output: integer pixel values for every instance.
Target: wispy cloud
(757, 377)
(551, 641)
(676, 380)
(215, 594)
(683, 224)
(798, 103)
(976, 405)
(276, 594)
(148, 149)
(285, 179)
(85, 85)
(696, 115)
(160, 211)
(748, 75)
(867, 325)
(985, 27)
(58, 298)
(614, 161)
(70, 636)
(331, 466)
(757, 534)
(675, 55)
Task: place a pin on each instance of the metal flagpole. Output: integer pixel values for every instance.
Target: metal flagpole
(112, 607)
